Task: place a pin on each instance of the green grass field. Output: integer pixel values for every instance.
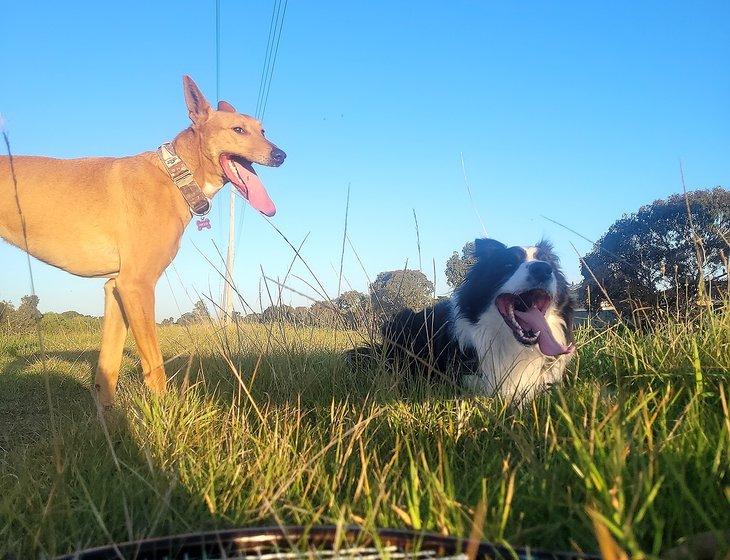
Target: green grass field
(266, 425)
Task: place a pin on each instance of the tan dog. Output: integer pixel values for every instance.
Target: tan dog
(122, 218)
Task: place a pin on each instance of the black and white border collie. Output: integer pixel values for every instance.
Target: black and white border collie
(507, 328)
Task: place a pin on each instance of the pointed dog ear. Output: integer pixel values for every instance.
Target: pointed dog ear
(198, 106)
(227, 107)
(483, 247)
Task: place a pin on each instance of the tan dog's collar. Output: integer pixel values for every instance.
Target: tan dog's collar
(183, 178)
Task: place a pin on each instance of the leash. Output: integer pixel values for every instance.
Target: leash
(183, 178)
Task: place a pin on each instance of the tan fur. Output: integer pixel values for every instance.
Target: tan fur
(122, 218)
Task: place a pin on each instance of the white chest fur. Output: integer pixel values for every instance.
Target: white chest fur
(507, 367)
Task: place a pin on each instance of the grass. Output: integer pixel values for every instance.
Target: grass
(267, 425)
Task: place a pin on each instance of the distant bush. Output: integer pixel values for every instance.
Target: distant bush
(391, 292)
(351, 310)
(71, 314)
(70, 320)
(199, 314)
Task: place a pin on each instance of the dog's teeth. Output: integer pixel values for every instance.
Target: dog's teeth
(537, 334)
(512, 317)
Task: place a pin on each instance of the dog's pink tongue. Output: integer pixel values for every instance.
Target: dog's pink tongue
(535, 321)
(254, 191)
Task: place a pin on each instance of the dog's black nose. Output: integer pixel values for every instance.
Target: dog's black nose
(277, 156)
(540, 271)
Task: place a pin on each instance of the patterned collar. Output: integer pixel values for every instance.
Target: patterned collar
(183, 178)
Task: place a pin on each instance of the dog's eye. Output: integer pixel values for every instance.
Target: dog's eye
(263, 132)
(238, 130)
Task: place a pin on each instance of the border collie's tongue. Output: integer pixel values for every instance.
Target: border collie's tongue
(535, 320)
(249, 185)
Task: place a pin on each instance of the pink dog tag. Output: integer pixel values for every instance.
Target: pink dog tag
(203, 223)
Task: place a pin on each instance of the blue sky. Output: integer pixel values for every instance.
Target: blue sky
(578, 111)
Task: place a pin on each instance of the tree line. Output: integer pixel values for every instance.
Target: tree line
(391, 292)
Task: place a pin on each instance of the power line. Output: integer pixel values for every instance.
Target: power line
(269, 44)
(276, 26)
(273, 64)
(217, 51)
(219, 211)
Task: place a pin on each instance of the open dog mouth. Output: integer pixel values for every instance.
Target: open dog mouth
(524, 314)
(239, 171)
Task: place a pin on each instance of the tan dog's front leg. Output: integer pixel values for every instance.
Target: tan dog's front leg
(138, 299)
(112, 344)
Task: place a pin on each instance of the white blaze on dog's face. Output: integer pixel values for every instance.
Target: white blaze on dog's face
(523, 284)
(235, 141)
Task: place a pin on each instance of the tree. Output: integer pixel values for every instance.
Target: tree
(660, 247)
(197, 315)
(354, 307)
(277, 313)
(324, 315)
(457, 266)
(23, 319)
(201, 310)
(27, 314)
(396, 290)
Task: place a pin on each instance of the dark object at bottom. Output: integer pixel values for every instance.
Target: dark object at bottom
(319, 542)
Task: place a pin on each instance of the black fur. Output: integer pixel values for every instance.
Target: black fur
(424, 341)
(494, 265)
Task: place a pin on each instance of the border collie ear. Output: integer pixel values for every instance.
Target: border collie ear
(483, 247)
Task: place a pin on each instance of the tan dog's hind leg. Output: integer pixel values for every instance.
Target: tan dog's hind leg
(114, 333)
(138, 299)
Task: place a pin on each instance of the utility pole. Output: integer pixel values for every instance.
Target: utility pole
(230, 258)
(227, 303)
(272, 49)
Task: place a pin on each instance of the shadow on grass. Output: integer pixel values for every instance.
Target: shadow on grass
(70, 477)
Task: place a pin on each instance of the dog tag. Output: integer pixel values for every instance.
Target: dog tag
(203, 223)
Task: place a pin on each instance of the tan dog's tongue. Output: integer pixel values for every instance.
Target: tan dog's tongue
(249, 185)
(257, 195)
(535, 321)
